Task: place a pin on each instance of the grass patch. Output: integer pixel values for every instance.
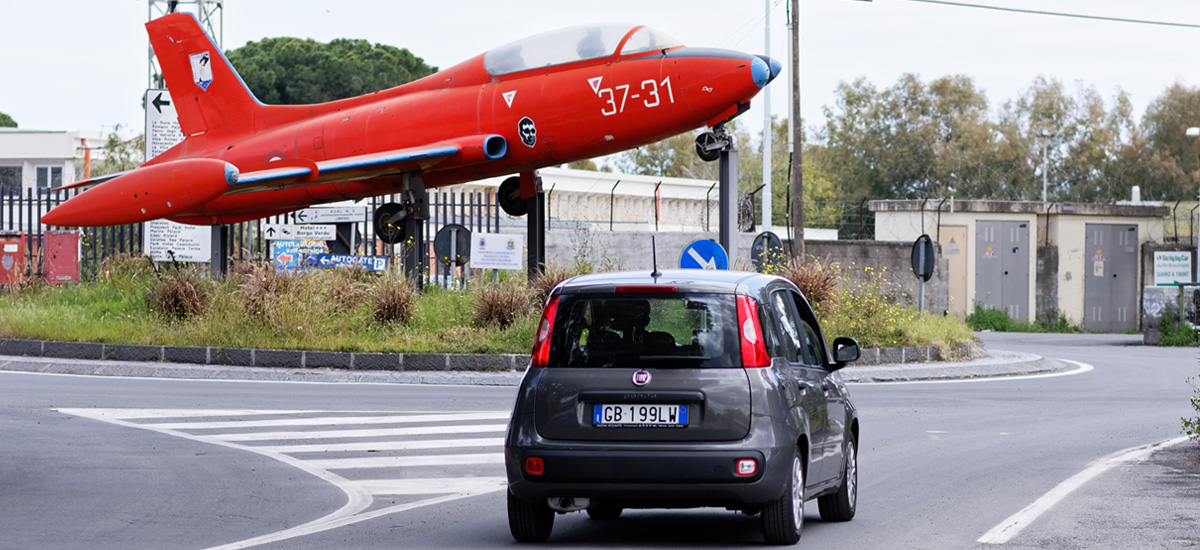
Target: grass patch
(131, 301)
(997, 320)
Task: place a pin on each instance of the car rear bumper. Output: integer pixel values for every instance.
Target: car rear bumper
(654, 477)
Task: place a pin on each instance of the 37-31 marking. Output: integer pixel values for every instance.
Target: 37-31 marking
(650, 88)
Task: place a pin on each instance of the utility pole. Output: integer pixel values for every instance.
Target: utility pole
(767, 220)
(797, 198)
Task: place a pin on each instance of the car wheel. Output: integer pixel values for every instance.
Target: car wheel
(529, 522)
(783, 519)
(841, 505)
(601, 510)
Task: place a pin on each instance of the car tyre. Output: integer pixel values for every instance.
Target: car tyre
(529, 521)
(604, 511)
(783, 519)
(841, 505)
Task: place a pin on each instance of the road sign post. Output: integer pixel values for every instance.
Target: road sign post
(922, 265)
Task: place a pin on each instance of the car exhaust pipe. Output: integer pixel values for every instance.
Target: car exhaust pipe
(568, 504)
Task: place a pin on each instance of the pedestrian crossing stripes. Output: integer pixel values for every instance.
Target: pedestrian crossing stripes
(421, 457)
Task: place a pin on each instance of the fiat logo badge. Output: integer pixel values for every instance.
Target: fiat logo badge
(641, 378)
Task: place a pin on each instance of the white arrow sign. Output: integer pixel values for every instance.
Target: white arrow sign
(331, 215)
(710, 263)
(288, 232)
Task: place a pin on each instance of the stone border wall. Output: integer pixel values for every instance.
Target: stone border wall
(360, 361)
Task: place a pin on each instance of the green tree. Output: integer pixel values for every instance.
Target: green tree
(296, 71)
(7, 121)
(1169, 161)
(118, 155)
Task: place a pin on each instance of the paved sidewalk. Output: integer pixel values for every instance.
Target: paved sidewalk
(992, 364)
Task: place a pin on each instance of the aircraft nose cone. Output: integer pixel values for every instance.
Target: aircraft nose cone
(773, 65)
(760, 71)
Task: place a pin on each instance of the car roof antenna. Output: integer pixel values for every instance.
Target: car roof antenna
(654, 258)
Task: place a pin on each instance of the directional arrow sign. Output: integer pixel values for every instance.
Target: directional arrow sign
(331, 215)
(162, 126)
(287, 232)
(704, 254)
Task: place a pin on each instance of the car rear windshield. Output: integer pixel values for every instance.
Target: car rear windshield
(645, 331)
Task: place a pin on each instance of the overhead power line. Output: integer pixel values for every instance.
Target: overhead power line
(1059, 14)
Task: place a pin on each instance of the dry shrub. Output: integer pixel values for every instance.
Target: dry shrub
(818, 281)
(260, 286)
(180, 296)
(544, 282)
(23, 282)
(394, 299)
(501, 304)
(126, 272)
(351, 286)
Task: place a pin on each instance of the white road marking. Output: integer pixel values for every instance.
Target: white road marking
(1012, 526)
(384, 445)
(1080, 368)
(358, 493)
(336, 421)
(384, 432)
(407, 461)
(472, 485)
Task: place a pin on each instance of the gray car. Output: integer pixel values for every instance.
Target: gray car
(681, 389)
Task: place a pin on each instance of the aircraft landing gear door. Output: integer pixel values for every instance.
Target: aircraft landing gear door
(1110, 287)
(1002, 267)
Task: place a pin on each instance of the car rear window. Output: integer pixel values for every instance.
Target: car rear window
(595, 330)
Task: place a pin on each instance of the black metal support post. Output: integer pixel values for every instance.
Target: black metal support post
(536, 230)
(728, 180)
(220, 251)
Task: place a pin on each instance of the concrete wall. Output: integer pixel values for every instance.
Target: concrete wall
(630, 250)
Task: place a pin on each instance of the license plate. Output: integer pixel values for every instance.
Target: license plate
(640, 416)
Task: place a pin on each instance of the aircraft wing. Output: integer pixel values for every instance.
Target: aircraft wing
(444, 154)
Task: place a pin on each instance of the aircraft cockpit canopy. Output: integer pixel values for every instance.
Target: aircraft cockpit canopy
(573, 44)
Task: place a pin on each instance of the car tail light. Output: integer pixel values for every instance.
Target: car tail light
(541, 344)
(535, 466)
(747, 467)
(754, 348)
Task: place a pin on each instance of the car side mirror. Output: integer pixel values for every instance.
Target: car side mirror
(845, 350)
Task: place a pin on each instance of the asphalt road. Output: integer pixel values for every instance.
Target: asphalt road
(107, 462)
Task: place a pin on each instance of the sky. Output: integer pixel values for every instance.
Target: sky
(82, 64)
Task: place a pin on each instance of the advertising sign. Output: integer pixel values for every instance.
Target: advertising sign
(288, 254)
(497, 250)
(1171, 266)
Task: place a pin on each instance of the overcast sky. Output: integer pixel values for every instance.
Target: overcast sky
(82, 64)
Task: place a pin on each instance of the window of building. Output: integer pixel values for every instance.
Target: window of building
(10, 179)
(49, 177)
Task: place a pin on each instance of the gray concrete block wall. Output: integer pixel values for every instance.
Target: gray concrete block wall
(630, 250)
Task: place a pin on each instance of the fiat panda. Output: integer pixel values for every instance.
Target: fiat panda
(682, 388)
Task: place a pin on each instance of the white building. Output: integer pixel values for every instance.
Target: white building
(43, 159)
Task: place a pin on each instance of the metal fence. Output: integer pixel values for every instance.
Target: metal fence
(478, 211)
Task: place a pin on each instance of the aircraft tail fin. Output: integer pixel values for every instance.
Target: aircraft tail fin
(207, 92)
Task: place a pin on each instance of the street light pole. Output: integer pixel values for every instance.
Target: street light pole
(1045, 163)
(1194, 132)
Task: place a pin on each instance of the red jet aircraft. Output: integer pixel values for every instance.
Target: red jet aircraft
(553, 98)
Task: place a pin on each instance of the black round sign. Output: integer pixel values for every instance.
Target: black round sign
(767, 250)
(461, 238)
(922, 257)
